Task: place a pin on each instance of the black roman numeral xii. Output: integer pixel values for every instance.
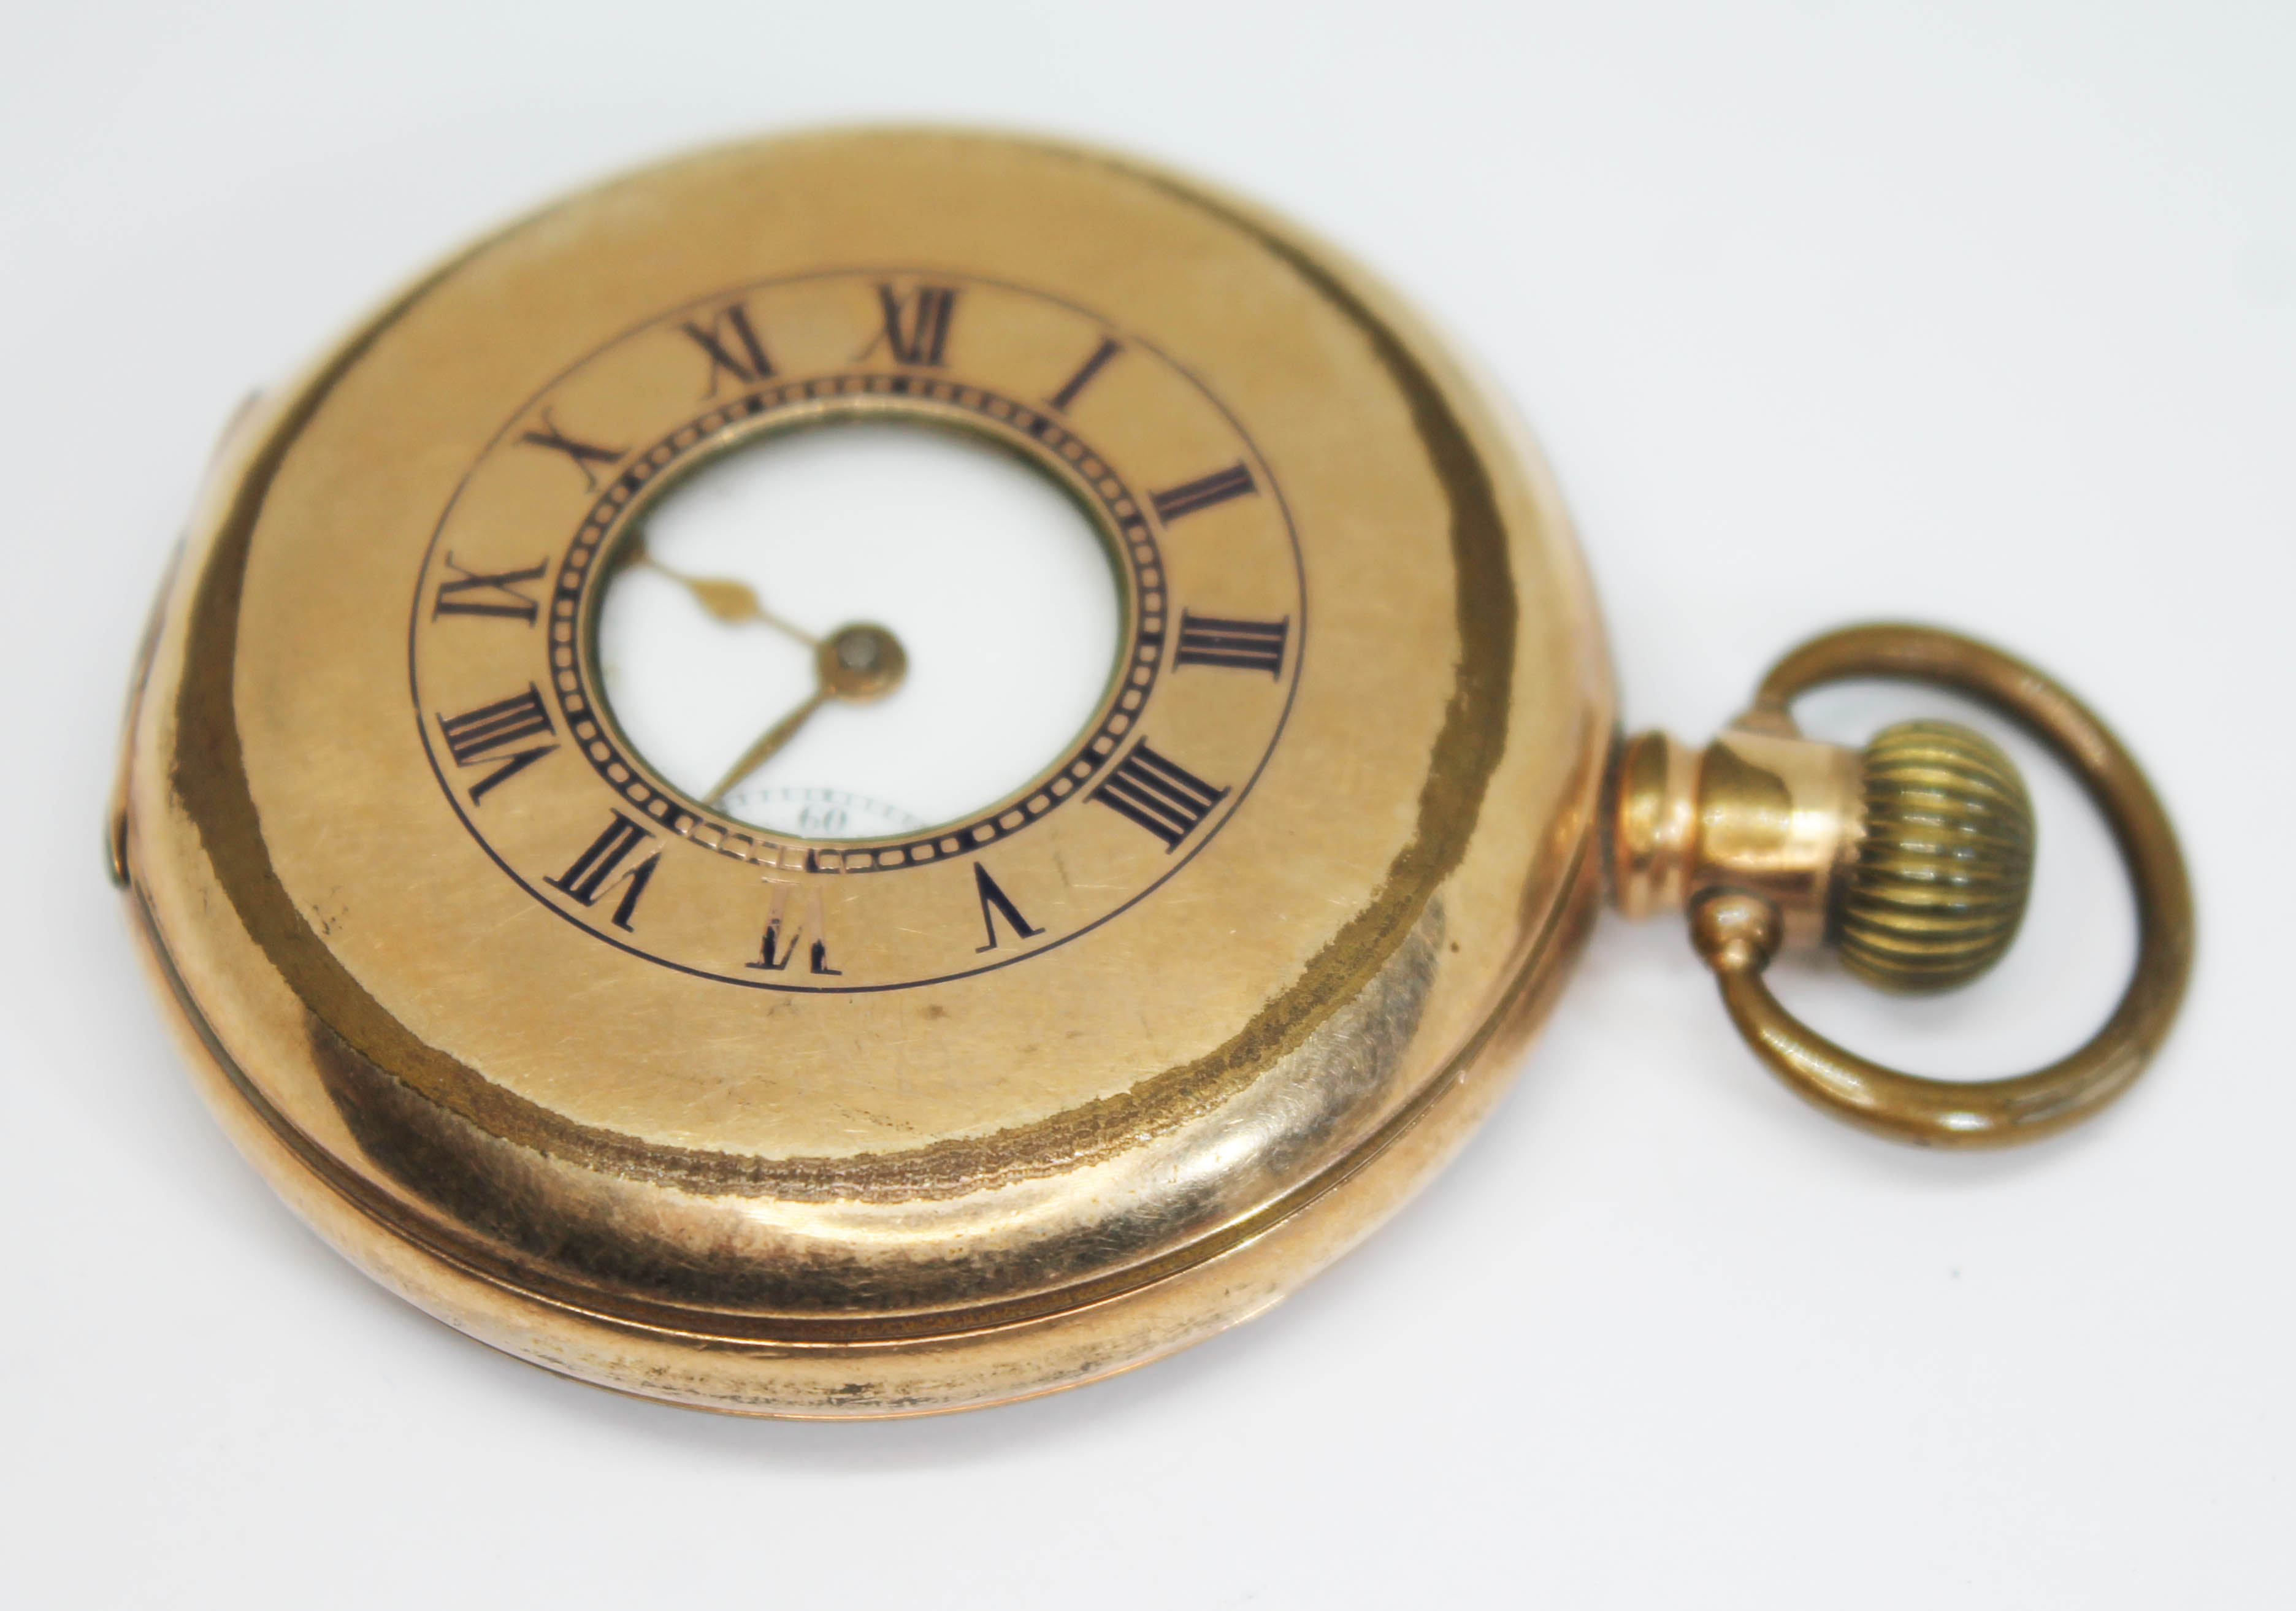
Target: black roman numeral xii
(916, 326)
(1161, 795)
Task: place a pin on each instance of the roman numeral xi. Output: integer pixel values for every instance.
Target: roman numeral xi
(730, 342)
(1161, 795)
(1240, 645)
(480, 737)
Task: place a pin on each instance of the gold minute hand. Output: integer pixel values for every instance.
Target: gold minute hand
(730, 601)
(856, 663)
(769, 745)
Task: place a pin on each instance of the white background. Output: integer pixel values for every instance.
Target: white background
(1978, 312)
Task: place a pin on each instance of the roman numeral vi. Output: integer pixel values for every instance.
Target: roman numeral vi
(1241, 645)
(477, 736)
(1161, 795)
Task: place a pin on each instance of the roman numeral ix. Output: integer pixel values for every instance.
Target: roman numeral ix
(598, 870)
(916, 326)
(1165, 797)
(1204, 492)
(491, 592)
(582, 454)
(480, 736)
(730, 342)
(1240, 645)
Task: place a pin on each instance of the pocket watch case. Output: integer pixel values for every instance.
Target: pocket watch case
(655, 1094)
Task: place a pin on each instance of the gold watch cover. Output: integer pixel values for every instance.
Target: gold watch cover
(614, 1080)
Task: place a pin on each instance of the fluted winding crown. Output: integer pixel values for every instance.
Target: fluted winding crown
(1946, 863)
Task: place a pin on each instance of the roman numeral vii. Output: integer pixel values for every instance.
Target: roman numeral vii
(1161, 795)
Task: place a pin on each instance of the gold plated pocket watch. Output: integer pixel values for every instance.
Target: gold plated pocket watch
(947, 993)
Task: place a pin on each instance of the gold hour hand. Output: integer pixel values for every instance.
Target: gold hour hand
(730, 601)
(856, 663)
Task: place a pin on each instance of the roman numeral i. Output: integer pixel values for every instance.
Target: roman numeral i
(479, 737)
(1204, 492)
(598, 870)
(1161, 795)
(1240, 645)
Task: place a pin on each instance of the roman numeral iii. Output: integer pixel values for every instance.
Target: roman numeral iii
(480, 737)
(1161, 795)
(488, 592)
(1204, 492)
(598, 870)
(1240, 645)
(730, 342)
(916, 326)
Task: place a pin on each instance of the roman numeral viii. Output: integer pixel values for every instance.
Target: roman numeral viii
(916, 326)
(1241, 645)
(470, 592)
(1204, 492)
(479, 738)
(730, 342)
(599, 869)
(1161, 795)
